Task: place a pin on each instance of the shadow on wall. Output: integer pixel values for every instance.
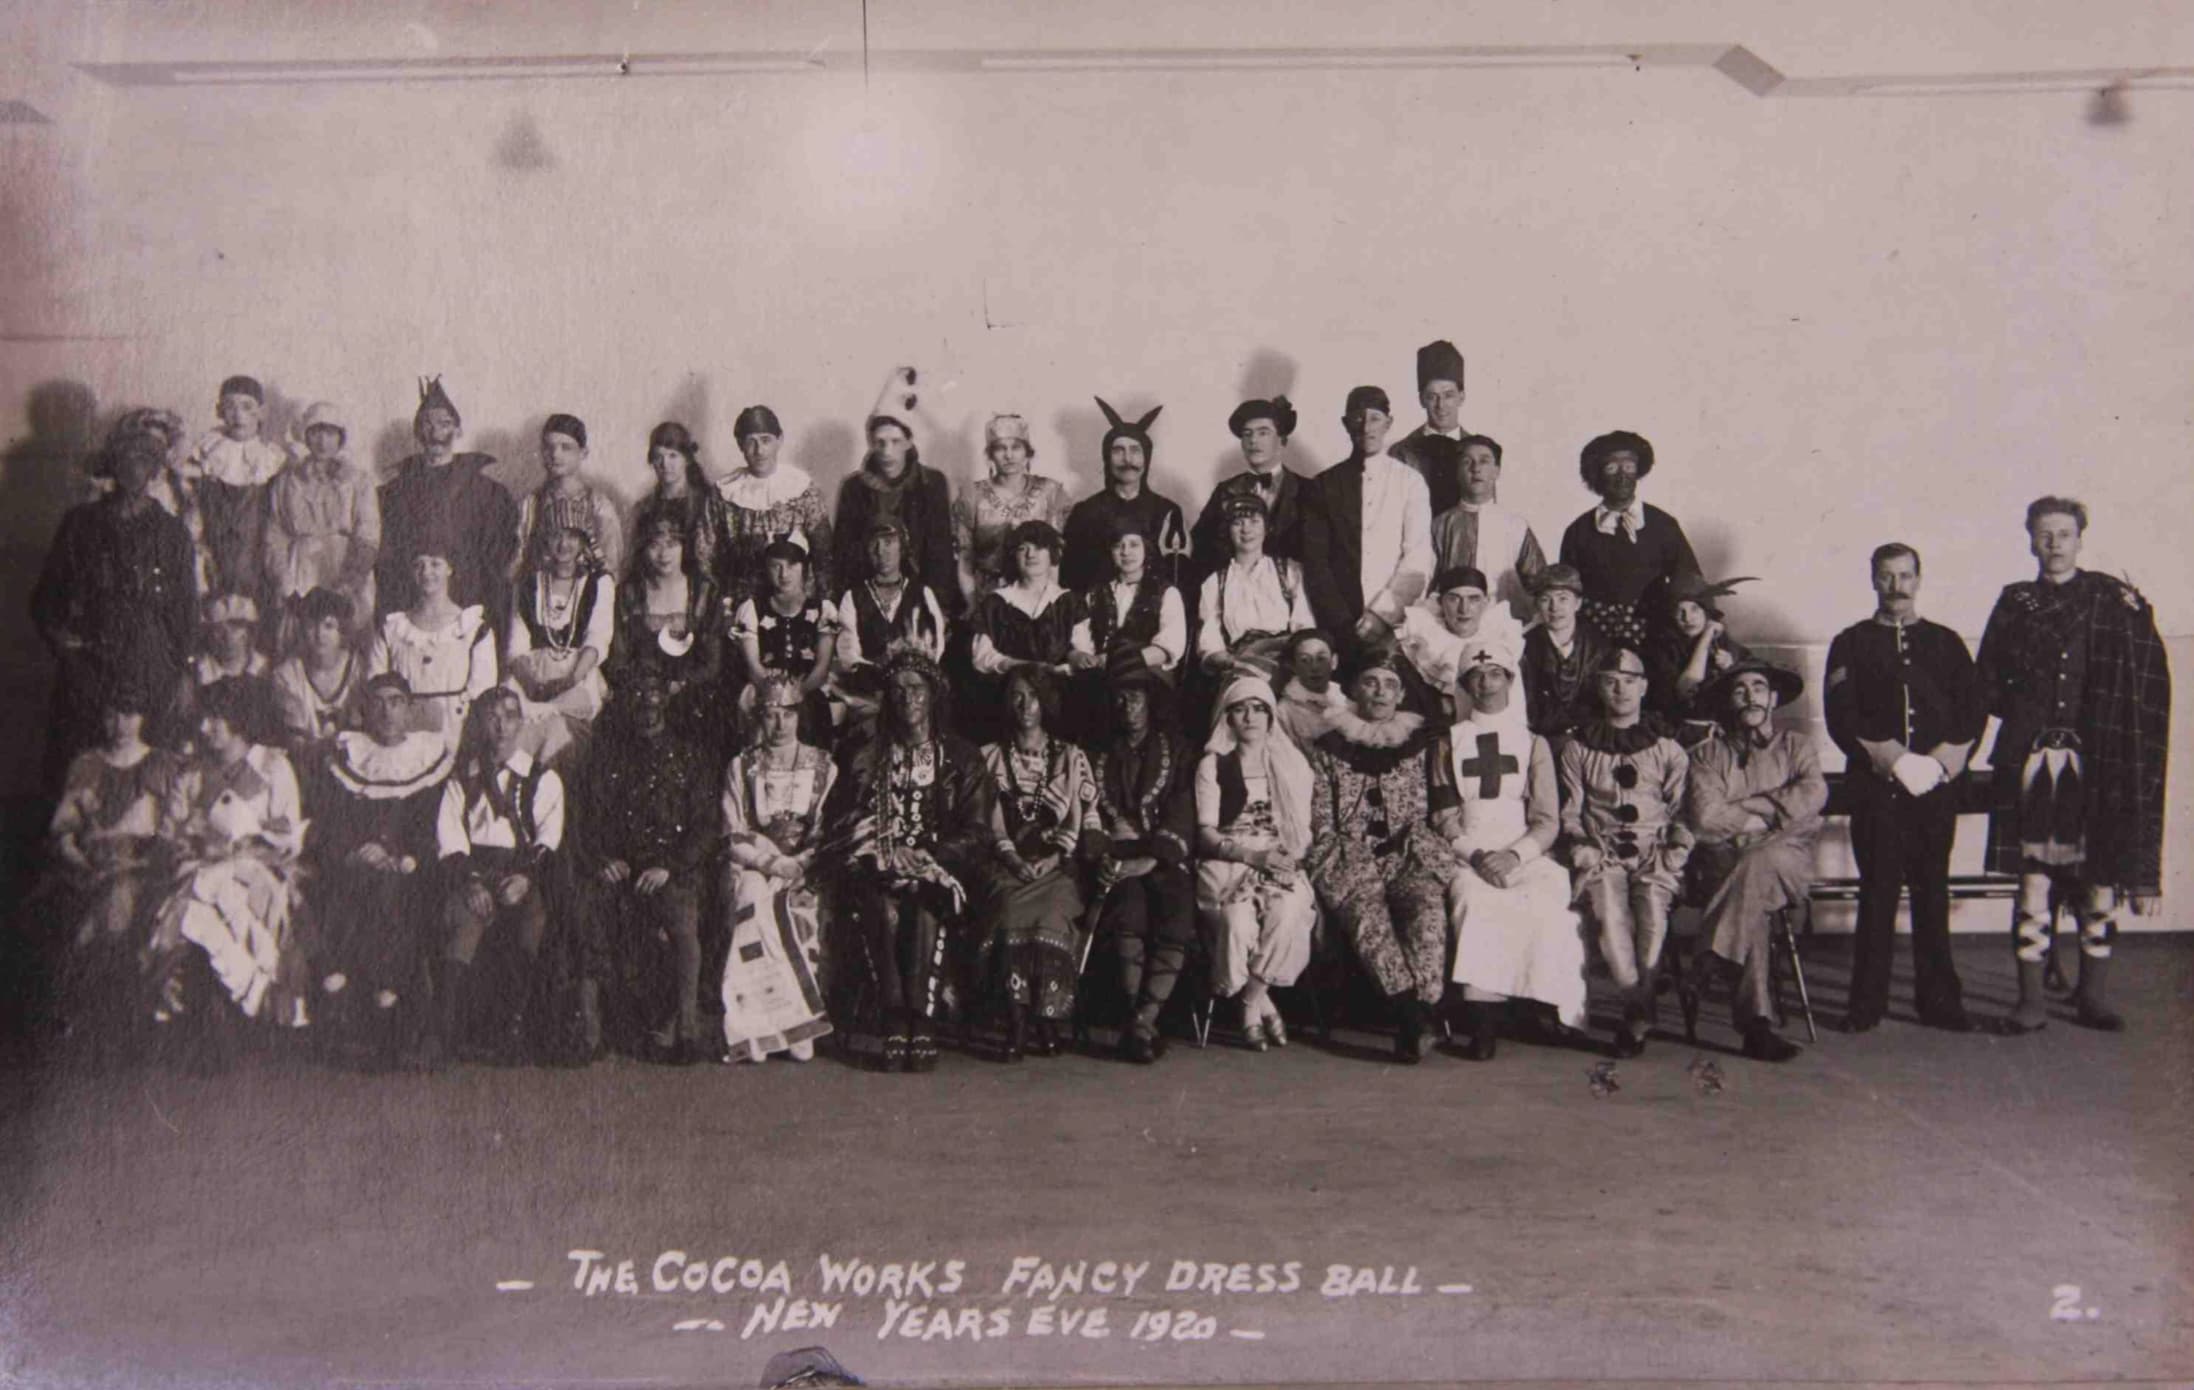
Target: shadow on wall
(1269, 372)
(688, 406)
(41, 476)
(825, 451)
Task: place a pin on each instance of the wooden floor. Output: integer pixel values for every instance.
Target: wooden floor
(1905, 1206)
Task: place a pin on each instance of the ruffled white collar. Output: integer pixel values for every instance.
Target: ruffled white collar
(744, 489)
(1391, 732)
(380, 773)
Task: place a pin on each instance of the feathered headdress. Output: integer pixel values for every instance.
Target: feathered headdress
(1684, 585)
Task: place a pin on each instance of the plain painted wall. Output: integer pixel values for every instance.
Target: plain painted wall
(1839, 322)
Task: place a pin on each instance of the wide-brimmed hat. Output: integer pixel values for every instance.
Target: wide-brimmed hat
(1787, 684)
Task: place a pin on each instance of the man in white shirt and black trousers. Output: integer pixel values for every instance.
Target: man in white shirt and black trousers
(497, 833)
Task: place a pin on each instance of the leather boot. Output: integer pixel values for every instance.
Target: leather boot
(1484, 1020)
(2094, 977)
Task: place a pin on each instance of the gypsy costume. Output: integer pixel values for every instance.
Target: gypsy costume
(447, 666)
(1379, 868)
(698, 515)
(774, 989)
(548, 632)
(1256, 799)
(1248, 611)
(547, 512)
(756, 510)
(238, 830)
(1042, 802)
(682, 645)
(1520, 941)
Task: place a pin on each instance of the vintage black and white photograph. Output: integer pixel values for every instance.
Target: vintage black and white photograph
(932, 693)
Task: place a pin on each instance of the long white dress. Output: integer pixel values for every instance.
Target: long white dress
(1523, 940)
(773, 987)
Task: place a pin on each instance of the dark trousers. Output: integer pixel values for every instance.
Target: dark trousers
(902, 934)
(1901, 842)
(369, 923)
(1152, 918)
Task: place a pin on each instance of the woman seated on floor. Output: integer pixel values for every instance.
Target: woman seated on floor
(1028, 919)
(1253, 793)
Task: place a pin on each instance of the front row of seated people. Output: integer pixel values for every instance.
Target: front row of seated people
(423, 898)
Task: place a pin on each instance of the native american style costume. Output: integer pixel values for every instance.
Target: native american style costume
(907, 822)
(775, 989)
(1043, 803)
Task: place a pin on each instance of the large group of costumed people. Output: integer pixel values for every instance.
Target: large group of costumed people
(435, 772)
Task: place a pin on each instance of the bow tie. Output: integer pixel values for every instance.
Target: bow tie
(1629, 519)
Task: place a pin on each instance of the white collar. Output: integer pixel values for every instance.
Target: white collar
(1454, 434)
(1632, 518)
(744, 490)
(1032, 602)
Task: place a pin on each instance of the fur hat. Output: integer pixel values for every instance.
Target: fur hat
(1362, 398)
(1438, 361)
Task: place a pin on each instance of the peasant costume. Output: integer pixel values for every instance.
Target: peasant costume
(682, 644)
(1259, 799)
(111, 808)
(548, 633)
(774, 989)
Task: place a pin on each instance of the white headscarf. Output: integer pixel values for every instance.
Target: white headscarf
(1287, 771)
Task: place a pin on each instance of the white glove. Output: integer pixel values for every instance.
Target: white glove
(1918, 773)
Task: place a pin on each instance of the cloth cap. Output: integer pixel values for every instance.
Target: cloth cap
(388, 680)
(1362, 398)
(1438, 361)
(569, 425)
(758, 419)
(785, 548)
(1559, 576)
(1243, 501)
(243, 386)
(1277, 410)
(1460, 577)
(1621, 659)
(323, 415)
